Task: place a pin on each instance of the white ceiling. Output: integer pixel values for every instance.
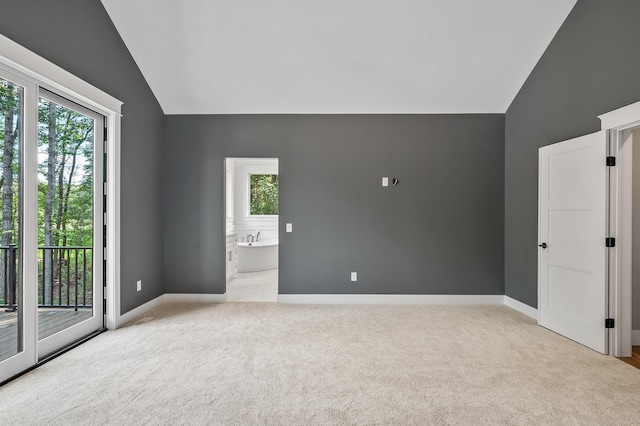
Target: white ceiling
(336, 56)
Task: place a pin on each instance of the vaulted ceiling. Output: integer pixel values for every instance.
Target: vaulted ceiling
(336, 56)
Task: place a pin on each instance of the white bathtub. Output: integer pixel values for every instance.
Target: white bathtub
(258, 256)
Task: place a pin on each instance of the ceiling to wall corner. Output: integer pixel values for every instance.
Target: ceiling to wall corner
(336, 56)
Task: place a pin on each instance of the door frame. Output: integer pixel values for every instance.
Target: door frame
(618, 124)
(18, 60)
(225, 197)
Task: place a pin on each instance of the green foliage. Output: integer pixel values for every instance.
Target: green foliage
(10, 101)
(73, 175)
(65, 194)
(264, 194)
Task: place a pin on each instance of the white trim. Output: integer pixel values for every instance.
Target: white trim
(139, 312)
(243, 168)
(521, 307)
(620, 260)
(392, 299)
(30, 224)
(620, 307)
(195, 298)
(338, 299)
(620, 283)
(635, 337)
(627, 116)
(113, 222)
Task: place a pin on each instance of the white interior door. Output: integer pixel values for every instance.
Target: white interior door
(572, 231)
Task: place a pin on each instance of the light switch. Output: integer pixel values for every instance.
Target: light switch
(385, 181)
(289, 227)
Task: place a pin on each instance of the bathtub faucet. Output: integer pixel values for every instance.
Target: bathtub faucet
(258, 236)
(250, 238)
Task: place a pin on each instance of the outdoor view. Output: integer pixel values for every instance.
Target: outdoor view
(65, 216)
(10, 110)
(65, 205)
(11, 97)
(264, 195)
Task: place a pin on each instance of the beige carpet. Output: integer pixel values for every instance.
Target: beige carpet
(252, 363)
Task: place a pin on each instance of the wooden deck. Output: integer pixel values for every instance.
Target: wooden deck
(50, 321)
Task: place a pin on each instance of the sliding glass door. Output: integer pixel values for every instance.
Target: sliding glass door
(52, 233)
(70, 188)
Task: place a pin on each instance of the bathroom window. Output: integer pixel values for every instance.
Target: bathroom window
(263, 194)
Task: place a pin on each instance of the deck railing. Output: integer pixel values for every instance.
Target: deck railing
(65, 277)
(8, 276)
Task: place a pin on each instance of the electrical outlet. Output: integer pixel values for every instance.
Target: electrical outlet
(289, 227)
(354, 276)
(139, 285)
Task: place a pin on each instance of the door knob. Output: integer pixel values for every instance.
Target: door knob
(543, 245)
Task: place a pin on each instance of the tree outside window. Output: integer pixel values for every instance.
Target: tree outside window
(263, 194)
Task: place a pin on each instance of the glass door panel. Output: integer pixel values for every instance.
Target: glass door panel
(69, 222)
(17, 226)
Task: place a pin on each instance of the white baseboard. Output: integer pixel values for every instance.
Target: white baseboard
(194, 298)
(635, 337)
(392, 299)
(138, 312)
(355, 299)
(521, 307)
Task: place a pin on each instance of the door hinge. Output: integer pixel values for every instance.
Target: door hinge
(609, 323)
(610, 242)
(611, 161)
(105, 139)
(104, 305)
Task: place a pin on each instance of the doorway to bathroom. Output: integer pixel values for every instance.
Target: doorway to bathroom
(251, 229)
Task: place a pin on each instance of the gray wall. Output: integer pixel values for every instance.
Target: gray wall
(78, 36)
(440, 231)
(590, 68)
